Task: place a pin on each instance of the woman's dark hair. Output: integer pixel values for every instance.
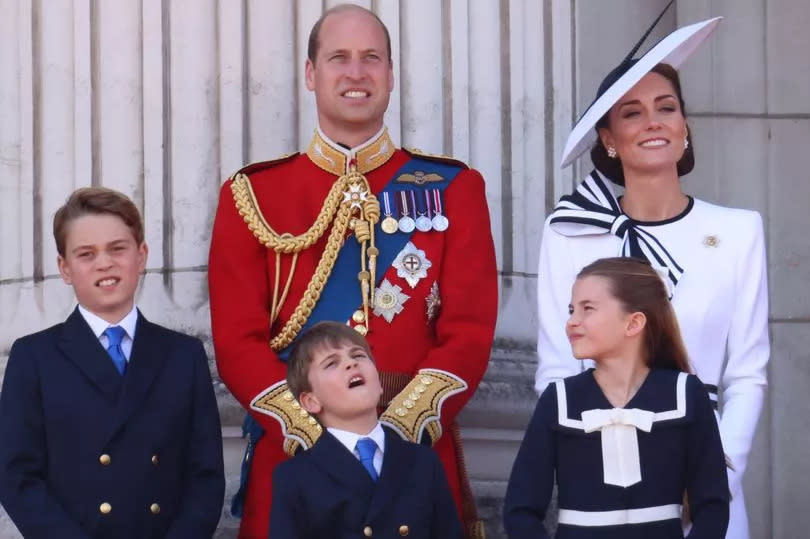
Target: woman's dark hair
(612, 167)
(639, 288)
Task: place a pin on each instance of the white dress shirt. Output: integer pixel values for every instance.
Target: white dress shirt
(99, 326)
(349, 440)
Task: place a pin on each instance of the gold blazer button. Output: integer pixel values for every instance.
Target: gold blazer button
(105, 459)
(155, 508)
(403, 530)
(367, 531)
(104, 508)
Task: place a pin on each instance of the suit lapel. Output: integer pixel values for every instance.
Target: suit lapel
(83, 348)
(145, 362)
(397, 464)
(334, 459)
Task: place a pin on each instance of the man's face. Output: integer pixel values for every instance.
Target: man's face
(352, 77)
(103, 263)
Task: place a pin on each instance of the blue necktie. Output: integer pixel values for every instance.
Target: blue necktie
(115, 334)
(366, 447)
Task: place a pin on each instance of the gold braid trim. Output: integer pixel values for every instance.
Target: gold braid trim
(301, 430)
(349, 199)
(313, 292)
(417, 408)
(248, 208)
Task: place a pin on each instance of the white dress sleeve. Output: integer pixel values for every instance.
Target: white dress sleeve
(744, 380)
(555, 276)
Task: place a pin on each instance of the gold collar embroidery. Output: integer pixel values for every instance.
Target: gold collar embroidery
(335, 159)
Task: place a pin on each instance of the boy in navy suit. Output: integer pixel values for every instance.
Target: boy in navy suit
(108, 422)
(359, 479)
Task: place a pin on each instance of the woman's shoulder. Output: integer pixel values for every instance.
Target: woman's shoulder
(727, 214)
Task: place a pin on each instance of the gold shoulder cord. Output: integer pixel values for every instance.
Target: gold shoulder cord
(349, 203)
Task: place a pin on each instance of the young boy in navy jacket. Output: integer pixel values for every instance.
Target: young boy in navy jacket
(108, 422)
(359, 479)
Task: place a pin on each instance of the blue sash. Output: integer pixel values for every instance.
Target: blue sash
(340, 296)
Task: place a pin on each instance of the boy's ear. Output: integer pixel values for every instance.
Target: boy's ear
(64, 269)
(143, 253)
(635, 324)
(310, 402)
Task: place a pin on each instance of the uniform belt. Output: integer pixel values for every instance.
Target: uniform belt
(620, 516)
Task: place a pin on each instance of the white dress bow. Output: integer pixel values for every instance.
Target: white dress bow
(620, 459)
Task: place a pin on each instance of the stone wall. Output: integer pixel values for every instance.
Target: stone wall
(163, 99)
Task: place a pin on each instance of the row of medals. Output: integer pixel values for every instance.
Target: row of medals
(430, 219)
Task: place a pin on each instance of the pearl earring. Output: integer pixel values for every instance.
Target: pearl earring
(611, 151)
(685, 143)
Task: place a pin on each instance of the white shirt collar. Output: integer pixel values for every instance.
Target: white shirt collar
(98, 324)
(352, 152)
(349, 439)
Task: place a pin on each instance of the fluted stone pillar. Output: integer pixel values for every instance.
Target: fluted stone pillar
(162, 99)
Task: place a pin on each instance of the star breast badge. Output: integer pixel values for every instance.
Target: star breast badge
(389, 300)
(412, 264)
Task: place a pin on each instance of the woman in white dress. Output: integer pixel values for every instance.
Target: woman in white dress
(712, 256)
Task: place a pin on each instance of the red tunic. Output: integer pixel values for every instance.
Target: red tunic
(290, 194)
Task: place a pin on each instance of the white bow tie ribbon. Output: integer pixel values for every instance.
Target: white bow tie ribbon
(620, 458)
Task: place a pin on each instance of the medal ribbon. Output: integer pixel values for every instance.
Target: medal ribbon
(437, 201)
(404, 204)
(386, 203)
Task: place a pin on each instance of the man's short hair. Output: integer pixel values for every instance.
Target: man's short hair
(332, 334)
(95, 201)
(314, 35)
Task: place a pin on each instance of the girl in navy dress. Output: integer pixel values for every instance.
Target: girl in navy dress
(626, 440)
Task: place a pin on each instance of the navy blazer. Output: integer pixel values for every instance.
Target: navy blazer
(87, 453)
(326, 493)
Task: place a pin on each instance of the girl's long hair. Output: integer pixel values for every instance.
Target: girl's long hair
(639, 288)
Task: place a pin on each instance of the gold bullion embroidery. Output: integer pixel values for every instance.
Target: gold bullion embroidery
(410, 416)
(419, 178)
(300, 429)
(368, 157)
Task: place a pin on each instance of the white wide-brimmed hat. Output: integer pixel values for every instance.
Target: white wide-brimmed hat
(673, 50)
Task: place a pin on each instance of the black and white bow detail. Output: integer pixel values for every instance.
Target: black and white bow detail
(593, 209)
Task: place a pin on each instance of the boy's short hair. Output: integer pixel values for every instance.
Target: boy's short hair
(95, 201)
(332, 334)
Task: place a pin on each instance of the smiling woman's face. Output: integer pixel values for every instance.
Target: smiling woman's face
(647, 127)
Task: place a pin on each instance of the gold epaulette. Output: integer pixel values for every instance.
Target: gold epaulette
(417, 408)
(301, 430)
(252, 168)
(446, 159)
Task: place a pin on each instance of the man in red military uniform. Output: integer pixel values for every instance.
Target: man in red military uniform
(395, 243)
